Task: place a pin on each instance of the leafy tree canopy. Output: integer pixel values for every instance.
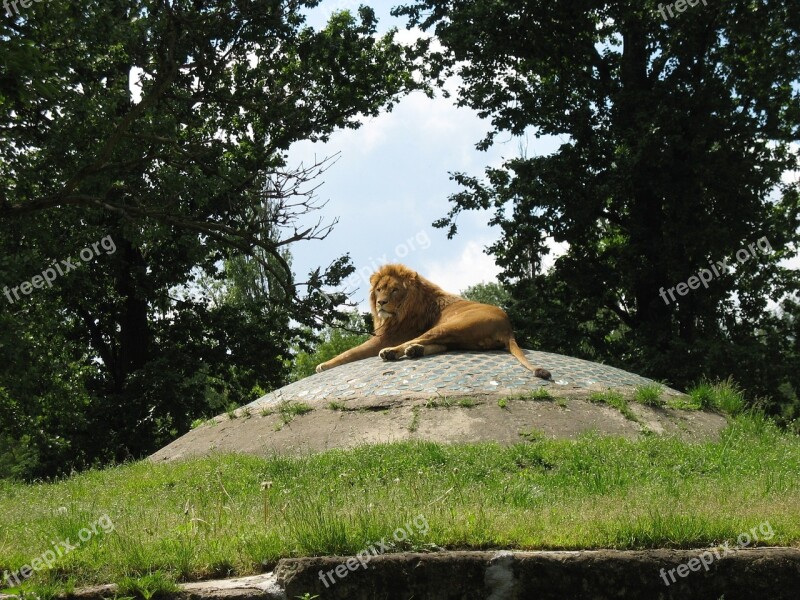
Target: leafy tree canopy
(162, 127)
(676, 135)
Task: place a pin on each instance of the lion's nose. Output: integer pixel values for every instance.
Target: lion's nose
(382, 302)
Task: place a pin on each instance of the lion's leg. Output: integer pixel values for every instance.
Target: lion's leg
(430, 342)
(412, 349)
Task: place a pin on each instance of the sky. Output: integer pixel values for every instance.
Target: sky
(391, 182)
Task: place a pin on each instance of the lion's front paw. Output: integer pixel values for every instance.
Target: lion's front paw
(389, 354)
(320, 368)
(415, 350)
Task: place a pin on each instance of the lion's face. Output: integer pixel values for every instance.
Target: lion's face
(387, 295)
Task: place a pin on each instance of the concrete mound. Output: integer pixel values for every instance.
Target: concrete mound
(451, 397)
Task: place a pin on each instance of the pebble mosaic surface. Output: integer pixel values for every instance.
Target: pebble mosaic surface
(451, 373)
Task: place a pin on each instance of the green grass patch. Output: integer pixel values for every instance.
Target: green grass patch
(649, 395)
(616, 400)
(287, 411)
(450, 401)
(725, 396)
(227, 515)
(533, 435)
(337, 405)
(541, 393)
(147, 587)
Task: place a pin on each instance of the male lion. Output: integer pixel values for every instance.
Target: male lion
(414, 317)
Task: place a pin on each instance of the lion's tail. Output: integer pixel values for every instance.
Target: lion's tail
(520, 356)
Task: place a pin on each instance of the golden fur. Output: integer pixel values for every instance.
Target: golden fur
(414, 317)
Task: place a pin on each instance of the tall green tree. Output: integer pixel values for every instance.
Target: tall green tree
(676, 130)
(163, 126)
(488, 293)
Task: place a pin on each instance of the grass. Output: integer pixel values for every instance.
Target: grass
(616, 400)
(724, 396)
(533, 435)
(287, 411)
(449, 401)
(649, 395)
(216, 516)
(152, 585)
(414, 425)
(540, 393)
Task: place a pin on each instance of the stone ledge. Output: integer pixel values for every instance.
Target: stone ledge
(756, 573)
(742, 574)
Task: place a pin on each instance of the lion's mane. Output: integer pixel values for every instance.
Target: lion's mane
(421, 307)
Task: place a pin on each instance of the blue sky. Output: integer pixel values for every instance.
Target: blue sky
(391, 182)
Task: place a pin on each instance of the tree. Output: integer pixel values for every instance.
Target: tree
(676, 134)
(333, 341)
(188, 183)
(488, 293)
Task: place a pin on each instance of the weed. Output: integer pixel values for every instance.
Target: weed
(534, 435)
(725, 396)
(288, 411)
(730, 398)
(541, 394)
(449, 401)
(616, 400)
(649, 395)
(414, 425)
(337, 405)
(440, 402)
(152, 585)
(503, 403)
(703, 395)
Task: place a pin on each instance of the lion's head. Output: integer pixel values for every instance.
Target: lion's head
(400, 299)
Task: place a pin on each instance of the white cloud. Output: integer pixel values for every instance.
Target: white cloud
(472, 266)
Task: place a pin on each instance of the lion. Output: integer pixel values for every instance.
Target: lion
(415, 317)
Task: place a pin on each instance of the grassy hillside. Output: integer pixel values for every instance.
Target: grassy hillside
(225, 515)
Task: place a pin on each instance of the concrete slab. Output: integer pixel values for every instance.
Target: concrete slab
(450, 398)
